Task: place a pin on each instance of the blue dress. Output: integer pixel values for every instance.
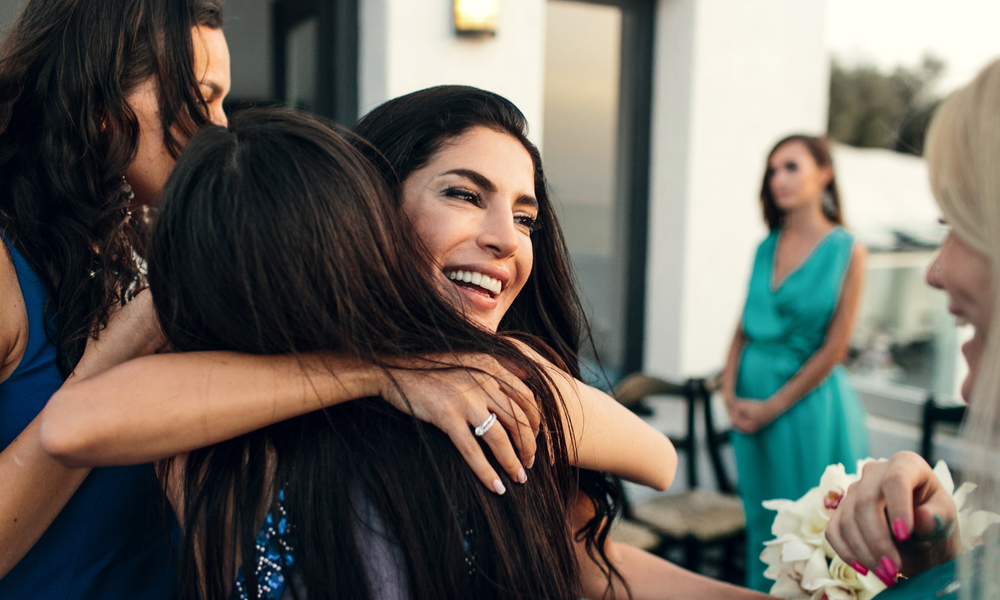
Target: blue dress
(110, 541)
(784, 328)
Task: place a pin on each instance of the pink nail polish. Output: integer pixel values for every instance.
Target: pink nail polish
(860, 568)
(881, 575)
(899, 528)
(498, 487)
(531, 461)
(522, 476)
(890, 568)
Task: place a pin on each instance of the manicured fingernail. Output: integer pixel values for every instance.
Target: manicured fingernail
(882, 577)
(890, 568)
(860, 568)
(498, 487)
(531, 461)
(899, 528)
(522, 476)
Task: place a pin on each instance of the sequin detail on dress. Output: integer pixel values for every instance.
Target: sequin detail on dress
(274, 556)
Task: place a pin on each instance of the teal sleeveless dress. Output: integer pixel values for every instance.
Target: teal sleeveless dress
(785, 326)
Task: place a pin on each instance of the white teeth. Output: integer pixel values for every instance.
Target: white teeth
(961, 321)
(484, 281)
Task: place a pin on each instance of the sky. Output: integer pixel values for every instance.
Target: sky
(964, 33)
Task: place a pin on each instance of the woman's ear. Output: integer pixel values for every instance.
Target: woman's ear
(826, 175)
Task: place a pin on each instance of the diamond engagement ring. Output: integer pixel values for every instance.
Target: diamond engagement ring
(482, 429)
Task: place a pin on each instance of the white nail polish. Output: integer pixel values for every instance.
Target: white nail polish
(522, 476)
(498, 487)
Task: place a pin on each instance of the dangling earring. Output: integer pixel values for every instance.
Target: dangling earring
(827, 205)
(127, 189)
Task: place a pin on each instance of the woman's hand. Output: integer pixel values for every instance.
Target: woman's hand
(133, 331)
(457, 393)
(897, 519)
(750, 416)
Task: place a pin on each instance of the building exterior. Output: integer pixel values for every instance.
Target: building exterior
(704, 88)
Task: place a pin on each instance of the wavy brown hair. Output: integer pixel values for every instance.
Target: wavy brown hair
(67, 136)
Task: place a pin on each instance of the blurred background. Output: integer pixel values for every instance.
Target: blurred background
(654, 118)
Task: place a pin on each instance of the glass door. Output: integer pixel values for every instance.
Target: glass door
(596, 153)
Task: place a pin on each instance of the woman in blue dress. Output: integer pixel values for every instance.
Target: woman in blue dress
(83, 106)
(787, 394)
(899, 519)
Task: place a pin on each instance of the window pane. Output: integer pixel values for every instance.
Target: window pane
(582, 61)
(300, 84)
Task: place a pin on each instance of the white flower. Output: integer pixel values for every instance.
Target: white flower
(971, 524)
(801, 561)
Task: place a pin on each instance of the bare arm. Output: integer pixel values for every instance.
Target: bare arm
(751, 416)
(732, 368)
(34, 487)
(649, 577)
(608, 437)
(158, 406)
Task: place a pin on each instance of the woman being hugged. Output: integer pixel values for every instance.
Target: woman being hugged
(787, 394)
(899, 519)
(88, 116)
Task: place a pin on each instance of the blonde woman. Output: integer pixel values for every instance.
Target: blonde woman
(898, 519)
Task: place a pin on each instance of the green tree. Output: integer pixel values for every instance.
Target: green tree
(872, 109)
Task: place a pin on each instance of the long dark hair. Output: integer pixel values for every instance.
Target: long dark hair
(819, 149)
(276, 236)
(403, 135)
(67, 136)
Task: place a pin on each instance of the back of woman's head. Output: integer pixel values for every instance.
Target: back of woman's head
(403, 135)
(67, 135)
(288, 244)
(963, 158)
(276, 236)
(819, 150)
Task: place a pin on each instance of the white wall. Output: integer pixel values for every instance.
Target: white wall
(407, 45)
(723, 94)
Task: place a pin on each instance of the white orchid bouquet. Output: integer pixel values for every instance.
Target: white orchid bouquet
(805, 567)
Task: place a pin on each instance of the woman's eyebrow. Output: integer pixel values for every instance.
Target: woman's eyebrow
(475, 177)
(530, 201)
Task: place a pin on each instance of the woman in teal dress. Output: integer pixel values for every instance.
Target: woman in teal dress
(787, 395)
(899, 519)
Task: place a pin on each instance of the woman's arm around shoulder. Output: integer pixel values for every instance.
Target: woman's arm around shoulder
(162, 405)
(609, 437)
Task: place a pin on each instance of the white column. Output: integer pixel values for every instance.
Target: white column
(730, 78)
(407, 45)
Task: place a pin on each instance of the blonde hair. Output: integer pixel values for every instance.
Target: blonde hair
(963, 157)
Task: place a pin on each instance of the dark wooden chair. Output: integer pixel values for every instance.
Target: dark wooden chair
(696, 519)
(935, 415)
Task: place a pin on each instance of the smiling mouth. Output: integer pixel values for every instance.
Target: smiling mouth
(476, 282)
